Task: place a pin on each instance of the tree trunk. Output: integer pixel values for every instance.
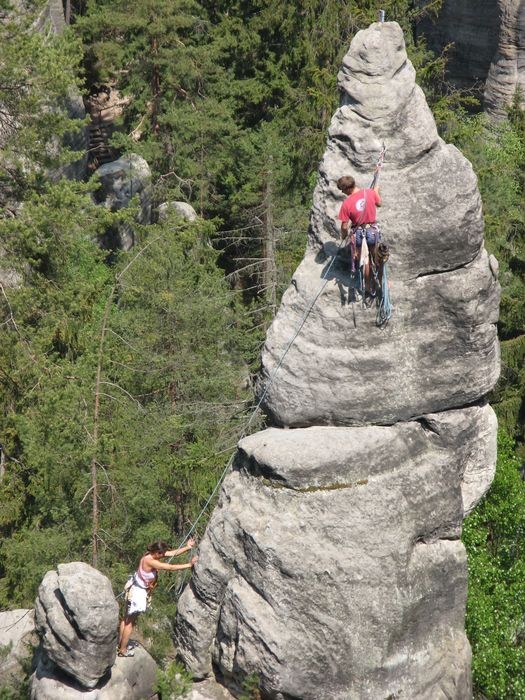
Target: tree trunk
(269, 265)
(96, 413)
(155, 87)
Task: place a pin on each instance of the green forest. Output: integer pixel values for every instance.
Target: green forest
(126, 376)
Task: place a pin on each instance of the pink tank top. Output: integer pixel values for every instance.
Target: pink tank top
(145, 577)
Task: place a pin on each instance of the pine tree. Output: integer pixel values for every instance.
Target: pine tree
(39, 73)
(122, 385)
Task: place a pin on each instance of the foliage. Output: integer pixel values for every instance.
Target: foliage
(40, 73)
(224, 93)
(494, 536)
(18, 686)
(123, 377)
(497, 152)
(173, 681)
(171, 396)
(251, 688)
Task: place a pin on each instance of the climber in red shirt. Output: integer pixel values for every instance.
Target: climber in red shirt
(358, 213)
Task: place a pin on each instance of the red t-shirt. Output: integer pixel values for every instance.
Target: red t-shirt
(360, 209)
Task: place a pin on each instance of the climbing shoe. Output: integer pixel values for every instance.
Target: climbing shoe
(126, 654)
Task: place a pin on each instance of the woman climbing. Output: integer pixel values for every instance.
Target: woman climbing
(140, 585)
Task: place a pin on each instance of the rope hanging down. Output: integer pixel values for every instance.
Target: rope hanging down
(325, 278)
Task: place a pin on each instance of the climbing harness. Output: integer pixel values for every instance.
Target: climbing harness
(360, 234)
(384, 313)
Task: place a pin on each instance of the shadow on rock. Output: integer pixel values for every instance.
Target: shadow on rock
(339, 270)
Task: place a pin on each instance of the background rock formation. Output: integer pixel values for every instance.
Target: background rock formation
(507, 70)
(332, 566)
(472, 29)
(486, 41)
(120, 181)
(17, 642)
(183, 209)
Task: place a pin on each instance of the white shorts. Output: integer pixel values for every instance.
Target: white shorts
(136, 600)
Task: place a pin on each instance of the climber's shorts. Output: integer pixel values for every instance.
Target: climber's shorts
(372, 232)
(136, 598)
(137, 601)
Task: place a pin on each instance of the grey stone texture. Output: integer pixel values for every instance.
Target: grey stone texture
(207, 690)
(469, 31)
(77, 619)
(120, 181)
(507, 70)
(129, 679)
(332, 566)
(440, 350)
(17, 642)
(183, 209)
(485, 45)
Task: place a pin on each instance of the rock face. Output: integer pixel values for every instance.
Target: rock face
(77, 619)
(17, 640)
(121, 180)
(487, 48)
(183, 209)
(471, 33)
(507, 71)
(440, 350)
(128, 679)
(332, 566)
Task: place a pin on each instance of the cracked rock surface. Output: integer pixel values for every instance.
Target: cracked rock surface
(332, 566)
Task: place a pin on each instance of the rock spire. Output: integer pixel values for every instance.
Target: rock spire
(332, 566)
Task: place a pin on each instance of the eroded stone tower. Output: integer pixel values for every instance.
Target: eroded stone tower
(332, 567)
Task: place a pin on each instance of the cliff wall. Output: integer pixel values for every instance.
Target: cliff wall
(487, 43)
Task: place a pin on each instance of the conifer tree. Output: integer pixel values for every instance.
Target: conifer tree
(39, 73)
(122, 386)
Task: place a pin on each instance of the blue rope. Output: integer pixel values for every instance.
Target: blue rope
(384, 308)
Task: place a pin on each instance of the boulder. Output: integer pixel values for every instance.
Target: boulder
(140, 673)
(9, 277)
(77, 619)
(129, 679)
(207, 690)
(183, 209)
(17, 642)
(120, 181)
